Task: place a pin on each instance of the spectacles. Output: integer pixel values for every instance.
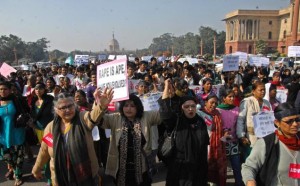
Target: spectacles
(189, 106)
(64, 108)
(291, 121)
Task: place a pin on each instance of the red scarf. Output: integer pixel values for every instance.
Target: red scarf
(291, 143)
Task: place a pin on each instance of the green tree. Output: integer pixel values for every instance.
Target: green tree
(7, 46)
(161, 43)
(221, 37)
(261, 47)
(207, 35)
(191, 44)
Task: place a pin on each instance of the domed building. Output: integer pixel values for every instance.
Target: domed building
(114, 45)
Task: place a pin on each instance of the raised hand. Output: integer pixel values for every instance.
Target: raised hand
(103, 98)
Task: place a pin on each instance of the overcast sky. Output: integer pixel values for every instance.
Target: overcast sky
(89, 24)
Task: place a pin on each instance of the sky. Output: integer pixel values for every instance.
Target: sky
(88, 25)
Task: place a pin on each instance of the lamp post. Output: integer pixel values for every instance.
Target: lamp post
(16, 57)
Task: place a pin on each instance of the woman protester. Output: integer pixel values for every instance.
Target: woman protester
(188, 163)
(68, 142)
(12, 138)
(130, 142)
(217, 164)
(206, 91)
(274, 159)
(50, 84)
(245, 126)
(229, 114)
(41, 114)
(81, 101)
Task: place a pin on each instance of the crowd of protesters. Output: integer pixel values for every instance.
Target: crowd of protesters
(213, 129)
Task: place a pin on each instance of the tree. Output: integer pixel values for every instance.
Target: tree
(207, 35)
(221, 37)
(261, 47)
(191, 44)
(7, 46)
(161, 43)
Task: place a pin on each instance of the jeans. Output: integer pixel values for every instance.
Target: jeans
(236, 167)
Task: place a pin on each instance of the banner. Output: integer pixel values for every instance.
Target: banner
(6, 69)
(189, 59)
(121, 57)
(81, 59)
(150, 101)
(263, 124)
(102, 57)
(230, 63)
(242, 56)
(133, 85)
(281, 95)
(114, 75)
(111, 57)
(259, 61)
(294, 51)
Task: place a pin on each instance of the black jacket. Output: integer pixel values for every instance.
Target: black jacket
(45, 114)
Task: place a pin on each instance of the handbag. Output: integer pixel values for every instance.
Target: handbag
(167, 146)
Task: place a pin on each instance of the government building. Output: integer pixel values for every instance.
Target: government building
(278, 28)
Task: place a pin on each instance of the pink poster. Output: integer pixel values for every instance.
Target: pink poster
(6, 69)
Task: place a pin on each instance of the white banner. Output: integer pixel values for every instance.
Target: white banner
(230, 63)
(263, 124)
(150, 101)
(114, 75)
(293, 51)
(242, 56)
(189, 59)
(81, 59)
(111, 57)
(259, 61)
(121, 57)
(281, 95)
(146, 58)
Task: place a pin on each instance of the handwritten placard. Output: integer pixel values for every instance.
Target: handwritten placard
(81, 59)
(230, 63)
(150, 101)
(259, 61)
(114, 75)
(263, 123)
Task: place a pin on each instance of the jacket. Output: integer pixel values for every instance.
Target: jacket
(46, 153)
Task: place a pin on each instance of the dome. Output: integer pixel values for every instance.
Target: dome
(114, 45)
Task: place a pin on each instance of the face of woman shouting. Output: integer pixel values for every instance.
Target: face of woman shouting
(211, 104)
(189, 108)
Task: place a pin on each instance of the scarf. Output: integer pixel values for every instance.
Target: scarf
(71, 159)
(137, 146)
(217, 166)
(291, 143)
(225, 106)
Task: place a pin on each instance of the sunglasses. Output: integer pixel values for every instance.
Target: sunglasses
(291, 121)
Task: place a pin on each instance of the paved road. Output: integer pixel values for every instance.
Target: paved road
(158, 180)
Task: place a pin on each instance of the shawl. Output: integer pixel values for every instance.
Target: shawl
(217, 164)
(136, 132)
(291, 143)
(71, 159)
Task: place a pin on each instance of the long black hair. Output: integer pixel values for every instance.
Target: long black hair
(138, 104)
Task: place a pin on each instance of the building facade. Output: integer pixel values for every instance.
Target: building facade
(114, 45)
(245, 27)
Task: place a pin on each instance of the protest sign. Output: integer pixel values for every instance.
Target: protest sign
(150, 101)
(114, 75)
(230, 63)
(281, 95)
(111, 57)
(263, 124)
(242, 56)
(189, 59)
(102, 57)
(146, 58)
(132, 85)
(121, 57)
(259, 61)
(199, 90)
(6, 69)
(131, 59)
(294, 51)
(81, 59)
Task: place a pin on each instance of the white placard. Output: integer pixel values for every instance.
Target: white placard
(114, 75)
(111, 57)
(133, 85)
(150, 101)
(95, 134)
(102, 57)
(146, 58)
(259, 61)
(263, 124)
(242, 56)
(189, 59)
(230, 63)
(121, 57)
(281, 95)
(293, 51)
(81, 59)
